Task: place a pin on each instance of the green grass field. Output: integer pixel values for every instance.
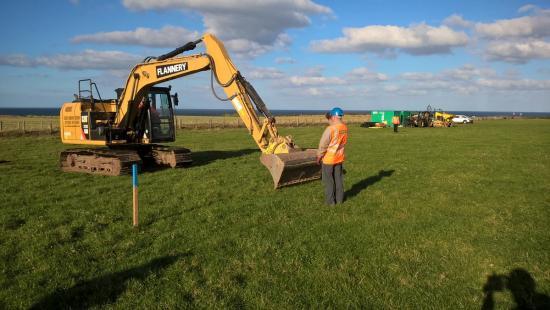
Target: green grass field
(430, 215)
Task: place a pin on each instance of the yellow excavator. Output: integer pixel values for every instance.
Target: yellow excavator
(127, 130)
(443, 119)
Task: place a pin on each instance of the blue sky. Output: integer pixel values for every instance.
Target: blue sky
(454, 55)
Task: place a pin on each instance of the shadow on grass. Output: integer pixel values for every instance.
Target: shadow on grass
(206, 157)
(105, 289)
(203, 158)
(521, 285)
(363, 184)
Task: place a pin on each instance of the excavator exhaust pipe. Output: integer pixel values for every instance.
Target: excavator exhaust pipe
(292, 168)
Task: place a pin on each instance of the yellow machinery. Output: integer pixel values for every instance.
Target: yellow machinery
(442, 119)
(130, 127)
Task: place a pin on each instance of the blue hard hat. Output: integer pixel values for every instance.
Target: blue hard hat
(337, 112)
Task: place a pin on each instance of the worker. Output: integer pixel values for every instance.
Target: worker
(331, 155)
(395, 121)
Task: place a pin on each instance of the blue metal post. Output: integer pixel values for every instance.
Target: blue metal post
(135, 193)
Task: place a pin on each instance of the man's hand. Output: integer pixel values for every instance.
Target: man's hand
(319, 160)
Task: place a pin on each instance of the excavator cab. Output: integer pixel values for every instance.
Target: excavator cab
(160, 116)
(155, 121)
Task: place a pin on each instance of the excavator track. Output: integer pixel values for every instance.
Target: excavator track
(171, 156)
(119, 161)
(101, 161)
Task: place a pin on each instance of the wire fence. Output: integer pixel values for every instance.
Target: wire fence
(50, 125)
(29, 125)
(17, 125)
(207, 122)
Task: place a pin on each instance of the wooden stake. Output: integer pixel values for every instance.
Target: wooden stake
(135, 194)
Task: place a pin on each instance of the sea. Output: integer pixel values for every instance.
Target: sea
(221, 112)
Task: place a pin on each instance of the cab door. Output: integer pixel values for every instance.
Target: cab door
(161, 117)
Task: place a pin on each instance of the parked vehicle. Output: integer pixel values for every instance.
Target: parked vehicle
(462, 119)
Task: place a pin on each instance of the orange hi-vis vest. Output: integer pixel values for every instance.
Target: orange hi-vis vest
(335, 150)
(396, 120)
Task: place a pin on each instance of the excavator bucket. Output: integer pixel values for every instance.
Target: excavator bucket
(292, 168)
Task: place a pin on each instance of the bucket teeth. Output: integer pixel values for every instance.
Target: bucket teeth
(292, 168)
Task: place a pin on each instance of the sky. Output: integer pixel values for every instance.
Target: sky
(299, 54)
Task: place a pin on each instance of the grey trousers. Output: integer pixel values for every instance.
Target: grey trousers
(333, 178)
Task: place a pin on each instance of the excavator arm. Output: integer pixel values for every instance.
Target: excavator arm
(287, 163)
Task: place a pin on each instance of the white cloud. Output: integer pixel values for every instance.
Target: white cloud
(518, 51)
(467, 72)
(315, 80)
(391, 88)
(318, 92)
(260, 22)
(354, 84)
(469, 79)
(285, 60)
(314, 71)
(364, 74)
(168, 36)
(458, 21)
(527, 8)
(536, 26)
(87, 59)
(417, 76)
(245, 48)
(265, 73)
(515, 85)
(517, 40)
(16, 60)
(420, 39)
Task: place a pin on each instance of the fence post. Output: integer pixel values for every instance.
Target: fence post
(23, 126)
(210, 123)
(223, 123)
(238, 121)
(51, 128)
(0, 126)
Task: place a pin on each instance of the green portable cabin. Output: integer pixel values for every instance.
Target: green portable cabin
(404, 117)
(382, 117)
